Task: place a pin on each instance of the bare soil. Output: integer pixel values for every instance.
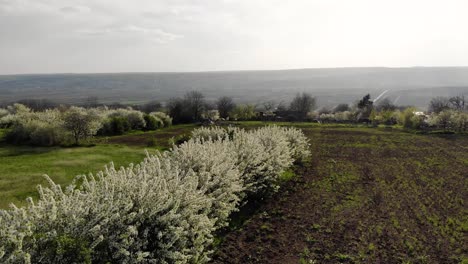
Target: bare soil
(367, 196)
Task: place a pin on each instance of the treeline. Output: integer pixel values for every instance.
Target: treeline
(73, 125)
(164, 210)
(448, 114)
(193, 107)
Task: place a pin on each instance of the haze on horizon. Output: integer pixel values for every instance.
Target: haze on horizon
(50, 36)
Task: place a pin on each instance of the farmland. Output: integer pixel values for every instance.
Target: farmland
(368, 195)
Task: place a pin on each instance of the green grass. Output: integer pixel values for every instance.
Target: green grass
(2, 133)
(23, 167)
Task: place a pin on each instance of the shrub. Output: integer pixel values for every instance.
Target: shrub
(242, 112)
(134, 118)
(151, 122)
(210, 133)
(214, 164)
(460, 121)
(135, 214)
(37, 128)
(165, 119)
(114, 126)
(262, 154)
(406, 118)
(163, 210)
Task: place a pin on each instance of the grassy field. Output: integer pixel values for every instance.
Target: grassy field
(22, 167)
(368, 196)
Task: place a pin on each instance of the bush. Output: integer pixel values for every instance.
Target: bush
(214, 164)
(165, 119)
(163, 210)
(37, 128)
(134, 118)
(151, 122)
(115, 126)
(408, 119)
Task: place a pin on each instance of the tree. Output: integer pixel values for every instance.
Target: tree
(269, 105)
(225, 105)
(176, 108)
(365, 102)
(302, 104)
(385, 105)
(195, 104)
(80, 123)
(458, 102)
(243, 112)
(365, 106)
(341, 108)
(151, 106)
(439, 104)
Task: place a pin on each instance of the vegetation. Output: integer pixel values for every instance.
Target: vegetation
(162, 210)
(62, 126)
(169, 207)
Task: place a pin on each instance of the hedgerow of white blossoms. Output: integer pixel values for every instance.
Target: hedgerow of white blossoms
(163, 210)
(214, 165)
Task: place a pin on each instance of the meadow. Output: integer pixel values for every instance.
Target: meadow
(22, 167)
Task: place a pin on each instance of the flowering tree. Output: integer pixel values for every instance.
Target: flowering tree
(81, 123)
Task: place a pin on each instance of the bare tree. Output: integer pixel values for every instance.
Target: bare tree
(151, 106)
(385, 105)
(195, 104)
(341, 108)
(458, 102)
(439, 104)
(302, 104)
(269, 105)
(176, 108)
(225, 105)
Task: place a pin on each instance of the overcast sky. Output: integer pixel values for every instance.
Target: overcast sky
(46, 36)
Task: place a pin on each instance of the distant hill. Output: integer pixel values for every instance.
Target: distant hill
(408, 86)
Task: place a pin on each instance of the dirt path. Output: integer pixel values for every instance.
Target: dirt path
(368, 196)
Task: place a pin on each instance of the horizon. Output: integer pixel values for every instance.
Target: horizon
(234, 70)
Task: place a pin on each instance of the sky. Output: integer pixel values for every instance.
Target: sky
(52, 36)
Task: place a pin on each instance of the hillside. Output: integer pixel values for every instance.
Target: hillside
(406, 86)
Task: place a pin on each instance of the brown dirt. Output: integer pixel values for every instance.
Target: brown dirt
(367, 196)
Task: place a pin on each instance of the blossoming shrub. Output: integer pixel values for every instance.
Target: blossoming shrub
(262, 154)
(165, 119)
(37, 128)
(214, 165)
(163, 210)
(211, 133)
(152, 212)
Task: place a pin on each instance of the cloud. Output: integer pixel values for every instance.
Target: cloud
(75, 9)
(154, 34)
